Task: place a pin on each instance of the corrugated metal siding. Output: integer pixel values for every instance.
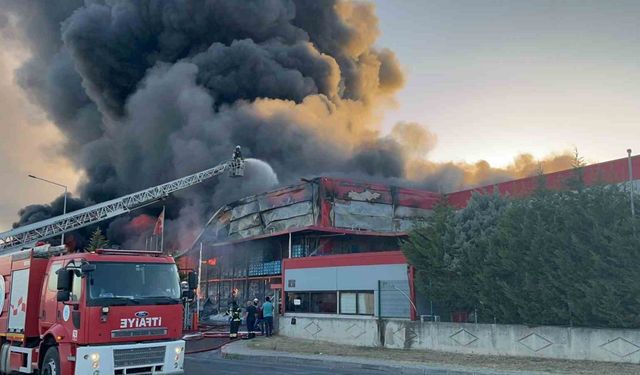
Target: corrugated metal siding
(291, 223)
(363, 215)
(287, 212)
(285, 197)
(393, 299)
(245, 209)
(611, 172)
(246, 222)
(333, 203)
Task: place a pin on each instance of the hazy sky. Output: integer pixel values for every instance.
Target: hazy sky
(493, 78)
(28, 144)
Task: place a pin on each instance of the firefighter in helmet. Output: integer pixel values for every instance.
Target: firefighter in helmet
(234, 316)
(237, 153)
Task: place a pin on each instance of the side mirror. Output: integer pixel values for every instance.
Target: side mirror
(63, 295)
(87, 268)
(192, 280)
(65, 278)
(188, 294)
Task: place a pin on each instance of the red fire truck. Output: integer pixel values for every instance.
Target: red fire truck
(103, 312)
(108, 312)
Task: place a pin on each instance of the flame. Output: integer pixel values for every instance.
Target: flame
(141, 223)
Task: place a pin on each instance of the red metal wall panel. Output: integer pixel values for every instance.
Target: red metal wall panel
(285, 196)
(417, 198)
(611, 172)
(350, 190)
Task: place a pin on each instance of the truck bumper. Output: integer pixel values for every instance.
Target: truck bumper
(147, 358)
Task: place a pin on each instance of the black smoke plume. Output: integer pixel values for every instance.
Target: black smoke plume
(148, 91)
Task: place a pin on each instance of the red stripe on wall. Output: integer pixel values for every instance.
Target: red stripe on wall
(345, 260)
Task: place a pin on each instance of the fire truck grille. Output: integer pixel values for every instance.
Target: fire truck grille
(138, 332)
(138, 356)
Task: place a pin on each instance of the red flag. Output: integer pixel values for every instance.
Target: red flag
(159, 228)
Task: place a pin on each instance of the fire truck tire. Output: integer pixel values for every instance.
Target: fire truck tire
(4, 359)
(51, 362)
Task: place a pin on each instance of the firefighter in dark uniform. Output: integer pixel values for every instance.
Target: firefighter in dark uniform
(234, 318)
(237, 153)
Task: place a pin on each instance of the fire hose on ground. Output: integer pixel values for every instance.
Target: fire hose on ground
(212, 332)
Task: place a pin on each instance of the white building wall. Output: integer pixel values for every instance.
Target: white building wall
(344, 278)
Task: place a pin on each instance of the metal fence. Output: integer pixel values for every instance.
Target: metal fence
(394, 299)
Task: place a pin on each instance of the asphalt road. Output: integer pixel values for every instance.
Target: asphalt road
(212, 363)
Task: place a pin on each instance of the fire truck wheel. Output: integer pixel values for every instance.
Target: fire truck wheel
(51, 362)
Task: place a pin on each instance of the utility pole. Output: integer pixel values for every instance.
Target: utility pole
(64, 208)
(199, 291)
(631, 193)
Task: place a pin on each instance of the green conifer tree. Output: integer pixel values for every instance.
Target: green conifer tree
(97, 241)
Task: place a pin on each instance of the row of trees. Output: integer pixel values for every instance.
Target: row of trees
(558, 258)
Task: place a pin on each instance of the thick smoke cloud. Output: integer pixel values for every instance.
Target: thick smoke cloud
(148, 91)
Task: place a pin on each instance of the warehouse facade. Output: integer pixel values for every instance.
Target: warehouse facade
(325, 246)
(332, 246)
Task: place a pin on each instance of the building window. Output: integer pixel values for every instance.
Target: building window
(312, 302)
(365, 303)
(298, 302)
(356, 303)
(324, 303)
(348, 303)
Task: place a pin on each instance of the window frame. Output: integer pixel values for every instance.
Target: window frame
(52, 277)
(92, 300)
(357, 293)
(335, 294)
(308, 294)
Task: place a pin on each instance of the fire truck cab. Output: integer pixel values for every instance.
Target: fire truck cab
(108, 312)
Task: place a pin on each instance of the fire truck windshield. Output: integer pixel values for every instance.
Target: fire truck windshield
(114, 284)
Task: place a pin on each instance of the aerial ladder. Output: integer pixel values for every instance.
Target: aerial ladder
(28, 235)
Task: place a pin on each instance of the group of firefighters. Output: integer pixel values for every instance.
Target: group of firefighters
(257, 317)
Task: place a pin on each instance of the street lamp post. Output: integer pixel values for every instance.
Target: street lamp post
(64, 207)
(633, 211)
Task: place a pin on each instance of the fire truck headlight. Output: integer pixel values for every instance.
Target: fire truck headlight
(179, 351)
(95, 360)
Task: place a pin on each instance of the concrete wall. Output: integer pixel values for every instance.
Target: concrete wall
(347, 330)
(612, 345)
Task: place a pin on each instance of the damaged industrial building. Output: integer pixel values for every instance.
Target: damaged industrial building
(326, 246)
(332, 245)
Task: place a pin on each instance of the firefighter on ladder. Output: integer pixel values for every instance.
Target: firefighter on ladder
(237, 153)
(234, 316)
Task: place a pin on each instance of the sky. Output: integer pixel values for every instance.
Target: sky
(495, 78)
(490, 78)
(27, 144)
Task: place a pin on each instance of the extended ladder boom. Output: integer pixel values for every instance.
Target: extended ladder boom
(28, 235)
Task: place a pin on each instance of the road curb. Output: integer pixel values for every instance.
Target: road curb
(233, 351)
